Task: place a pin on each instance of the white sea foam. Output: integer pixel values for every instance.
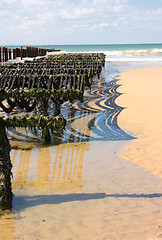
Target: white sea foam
(134, 59)
(136, 55)
(153, 55)
(141, 52)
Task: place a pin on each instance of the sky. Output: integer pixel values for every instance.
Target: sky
(59, 22)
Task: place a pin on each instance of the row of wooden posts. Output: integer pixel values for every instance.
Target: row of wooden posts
(10, 54)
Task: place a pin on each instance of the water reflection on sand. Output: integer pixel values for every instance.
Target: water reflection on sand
(59, 166)
(81, 192)
(78, 187)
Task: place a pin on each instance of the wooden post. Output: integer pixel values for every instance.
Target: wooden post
(10, 54)
(17, 52)
(21, 52)
(57, 108)
(14, 54)
(6, 54)
(5, 169)
(24, 52)
(36, 52)
(28, 54)
(0, 55)
(3, 55)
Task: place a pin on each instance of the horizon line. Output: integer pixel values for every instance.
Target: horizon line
(84, 44)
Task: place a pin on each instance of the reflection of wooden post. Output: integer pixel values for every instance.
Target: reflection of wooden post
(59, 167)
(7, 223)
(21, 177)
(5, 170)
(44, 160)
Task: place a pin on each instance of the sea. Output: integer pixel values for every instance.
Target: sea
(114, 52)
(119, 57)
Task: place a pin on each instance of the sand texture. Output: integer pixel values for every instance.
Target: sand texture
(142, 116)
(106, 198)
(81, 188)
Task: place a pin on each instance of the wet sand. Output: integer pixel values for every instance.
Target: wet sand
(83, 189)
(143, 116)
(101, 196)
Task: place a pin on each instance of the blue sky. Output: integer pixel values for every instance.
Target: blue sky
(80, 21)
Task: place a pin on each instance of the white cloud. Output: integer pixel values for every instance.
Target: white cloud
(99, 27)
(69, 16)
(97, 2)
(31, 3)
(38, 21)
(7, 2)
(144, 19)
(46, 17)
(103, 25)
(115, 24)
(10, 1)
(76, 12)
(4, 14)
(154, 13)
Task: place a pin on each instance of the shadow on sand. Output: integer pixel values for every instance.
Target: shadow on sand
(22, 202)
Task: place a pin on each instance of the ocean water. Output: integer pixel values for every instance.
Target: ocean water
(116, 52)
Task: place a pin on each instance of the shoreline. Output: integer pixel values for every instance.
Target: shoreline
(141, 88)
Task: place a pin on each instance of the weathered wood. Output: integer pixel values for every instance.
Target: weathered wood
(10, 54)
(3, 54)
(0, 55)
(5, 170)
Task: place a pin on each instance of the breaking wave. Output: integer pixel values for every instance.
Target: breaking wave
(151, 55)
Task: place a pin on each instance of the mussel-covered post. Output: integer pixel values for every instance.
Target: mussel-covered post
(42, 109)
(0, 55)
(57, 108)
(5, 169)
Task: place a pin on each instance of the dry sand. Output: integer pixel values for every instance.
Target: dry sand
(142, 98)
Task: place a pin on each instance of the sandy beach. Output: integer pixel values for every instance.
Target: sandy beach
(81, 120)
(142, 116)
(87, 189)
